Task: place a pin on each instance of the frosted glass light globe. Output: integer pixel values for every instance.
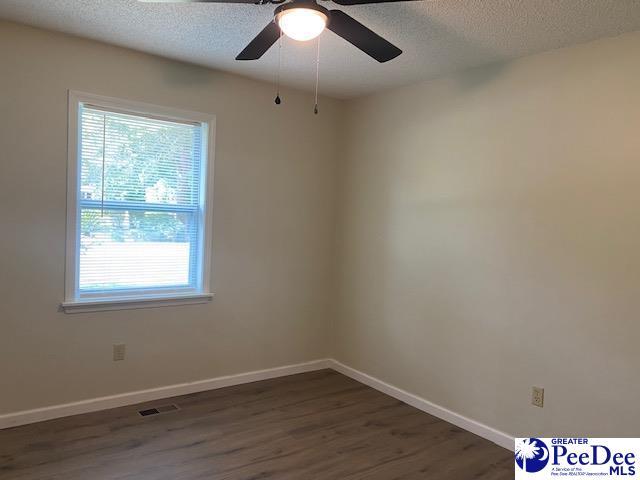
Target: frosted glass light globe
(302, 23)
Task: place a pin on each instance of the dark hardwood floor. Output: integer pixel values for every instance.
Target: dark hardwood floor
(315, 426)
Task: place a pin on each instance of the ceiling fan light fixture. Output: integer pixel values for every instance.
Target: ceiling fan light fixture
(302, 24)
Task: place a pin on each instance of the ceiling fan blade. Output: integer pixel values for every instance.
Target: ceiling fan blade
(366, 40)
(259, 45)
(251, 2)
(365, 2)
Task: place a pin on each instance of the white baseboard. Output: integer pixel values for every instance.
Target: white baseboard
(496, 436)
(102, 403)
(113, 401)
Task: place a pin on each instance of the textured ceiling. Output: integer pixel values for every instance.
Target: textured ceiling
(437, 36)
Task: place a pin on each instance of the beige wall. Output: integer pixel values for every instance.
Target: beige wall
(490, 241)
(273, 227)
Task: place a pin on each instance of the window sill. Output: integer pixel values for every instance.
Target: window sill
(85, 306)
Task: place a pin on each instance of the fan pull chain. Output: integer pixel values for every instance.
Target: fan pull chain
(315, 108)
(277, 100)
(104, 142)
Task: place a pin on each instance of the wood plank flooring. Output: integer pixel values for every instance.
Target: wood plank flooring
(314, 426)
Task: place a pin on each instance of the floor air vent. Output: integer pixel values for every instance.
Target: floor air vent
(157, 410)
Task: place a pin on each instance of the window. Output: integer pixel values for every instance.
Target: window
(139, 218)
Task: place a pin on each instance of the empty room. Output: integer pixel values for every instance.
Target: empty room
(319, 239)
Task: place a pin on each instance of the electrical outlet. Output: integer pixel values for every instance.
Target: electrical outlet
(119, 351)
(537, 396)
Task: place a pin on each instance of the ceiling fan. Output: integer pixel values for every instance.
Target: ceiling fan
(304, 20)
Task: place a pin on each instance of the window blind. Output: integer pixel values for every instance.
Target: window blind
(139, 204)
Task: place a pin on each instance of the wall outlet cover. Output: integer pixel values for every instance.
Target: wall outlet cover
(119, 351)
(537, 396)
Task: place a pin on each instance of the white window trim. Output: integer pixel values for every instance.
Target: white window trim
(72, 304)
